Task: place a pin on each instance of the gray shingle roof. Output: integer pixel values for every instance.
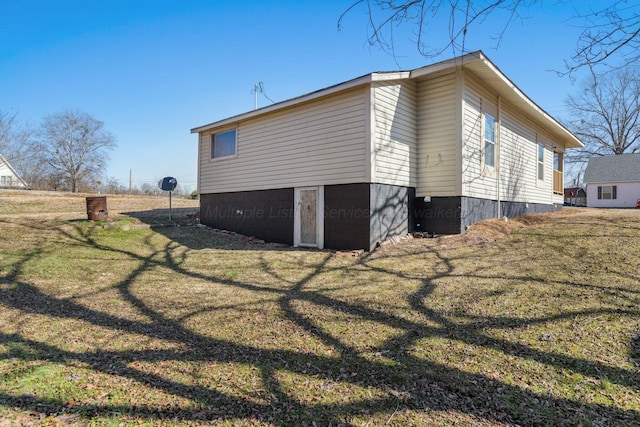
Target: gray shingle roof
(620, 168)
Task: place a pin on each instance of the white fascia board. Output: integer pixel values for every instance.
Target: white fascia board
(394, 75)
(367, 79)
(445, 65)
(570, 140)
(478, 61)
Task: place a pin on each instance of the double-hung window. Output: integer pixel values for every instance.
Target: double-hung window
(223, 144)
(607, 192)
(540, 162)
(489, 140)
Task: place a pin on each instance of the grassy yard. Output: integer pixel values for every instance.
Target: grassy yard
(527, 322)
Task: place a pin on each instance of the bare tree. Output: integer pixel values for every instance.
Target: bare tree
(610, 35)
(6, 124)
(74, 145)
(150, 189)
(606, 114)
(114, 186)
(15, 140)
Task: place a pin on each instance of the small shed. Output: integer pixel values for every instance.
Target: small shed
(575, 196)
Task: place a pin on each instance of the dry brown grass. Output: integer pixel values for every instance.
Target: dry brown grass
(532, 321)
(51, 204)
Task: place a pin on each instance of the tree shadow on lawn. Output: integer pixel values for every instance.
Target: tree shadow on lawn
(165, 216)
(200, 236)
(399, 382)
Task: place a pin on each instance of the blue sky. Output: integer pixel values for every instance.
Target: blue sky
(152, 70)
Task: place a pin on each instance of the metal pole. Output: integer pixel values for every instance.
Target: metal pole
(170, 219)
(497, 145)
(255, 96)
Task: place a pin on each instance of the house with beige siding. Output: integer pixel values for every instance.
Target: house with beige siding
(433, 149)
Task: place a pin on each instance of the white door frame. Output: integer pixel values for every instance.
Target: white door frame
(319, 217)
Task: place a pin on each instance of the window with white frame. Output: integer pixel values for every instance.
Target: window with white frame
(540, 162)
(607, 192)
(223, 144)
(489, 152)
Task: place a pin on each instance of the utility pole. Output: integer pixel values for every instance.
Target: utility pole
(130, 181)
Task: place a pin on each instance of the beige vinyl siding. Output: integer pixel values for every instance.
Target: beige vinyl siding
(518, 151)
(472, 178)
(517, 164)
(477, 180)
(395, 132)
(438, 137)
(317, 143)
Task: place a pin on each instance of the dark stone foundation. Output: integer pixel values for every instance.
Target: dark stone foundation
(453, 215)
(356, 216)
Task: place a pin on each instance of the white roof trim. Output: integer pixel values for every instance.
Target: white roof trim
(445, 65)
(571, 138)
(399, 75)
(472, 60)
(288, 103)
(379, 76)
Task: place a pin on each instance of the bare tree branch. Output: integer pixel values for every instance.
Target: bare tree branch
(610, 35)
(610, 38)
(607, 115)
(463, 16)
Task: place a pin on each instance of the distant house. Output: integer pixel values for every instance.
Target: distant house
(433, 149)
(575, 196)
(9, 178)
(613, 181)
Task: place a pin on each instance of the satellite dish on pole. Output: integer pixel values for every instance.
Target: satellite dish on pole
(168, 184)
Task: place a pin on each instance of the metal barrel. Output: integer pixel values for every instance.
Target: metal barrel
(97, 208)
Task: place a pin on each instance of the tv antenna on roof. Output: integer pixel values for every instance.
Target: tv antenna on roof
(258, 88)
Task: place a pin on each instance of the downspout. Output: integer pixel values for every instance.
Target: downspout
(499, 126)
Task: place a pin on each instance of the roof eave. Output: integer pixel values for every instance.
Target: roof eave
(474, 61)
(478, 62)
(289, 102)
(516, 96)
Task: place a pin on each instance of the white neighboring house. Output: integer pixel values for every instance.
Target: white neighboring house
(613, 181)
(9, 178)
